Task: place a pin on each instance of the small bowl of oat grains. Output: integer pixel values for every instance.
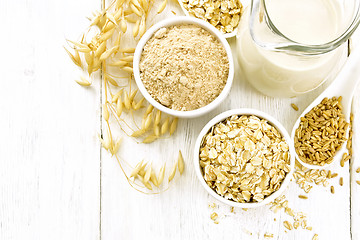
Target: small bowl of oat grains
(244, 158)
(183, 66)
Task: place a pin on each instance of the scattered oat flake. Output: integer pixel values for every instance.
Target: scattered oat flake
(268, 235)
(214, 216)
(315, 237)
(212, 205)
(303, 197)
(358, 182)
(288, 225)
(358, 170)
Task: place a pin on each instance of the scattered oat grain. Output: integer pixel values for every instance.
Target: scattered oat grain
(303, 197)
(294, 107)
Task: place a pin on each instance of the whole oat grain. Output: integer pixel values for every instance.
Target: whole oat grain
(341, 181)
(296, 108)
(303, 197)
(184, 67)
(321, 132)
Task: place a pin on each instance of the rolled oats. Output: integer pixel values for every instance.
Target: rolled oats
(222, 14)
(305, 178)
(299, 218)
(244, 159)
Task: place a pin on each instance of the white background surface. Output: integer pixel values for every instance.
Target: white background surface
(57, 183)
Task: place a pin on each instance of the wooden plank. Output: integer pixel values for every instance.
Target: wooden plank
(50, 155)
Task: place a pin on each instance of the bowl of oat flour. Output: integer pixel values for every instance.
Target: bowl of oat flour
(183, 66)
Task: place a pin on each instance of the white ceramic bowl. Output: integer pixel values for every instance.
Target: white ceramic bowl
(178, 21)
(226, 35)
(261, 115)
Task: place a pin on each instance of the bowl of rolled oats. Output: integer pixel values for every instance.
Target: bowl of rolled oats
(224, 15)
(244, 158)
(183, 66)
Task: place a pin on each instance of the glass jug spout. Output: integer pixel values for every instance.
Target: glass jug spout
(276, 30)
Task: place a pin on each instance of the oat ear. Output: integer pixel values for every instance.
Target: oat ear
(173, 126)
(181, 164)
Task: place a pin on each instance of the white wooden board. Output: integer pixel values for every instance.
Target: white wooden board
(56, 183)
(50, 157)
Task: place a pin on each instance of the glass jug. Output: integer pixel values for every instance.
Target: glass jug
(289, 47)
